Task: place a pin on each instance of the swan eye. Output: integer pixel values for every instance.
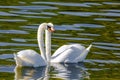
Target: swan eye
(48, 27)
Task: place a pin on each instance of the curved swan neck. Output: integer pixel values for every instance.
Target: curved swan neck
(48, 45)
(40, 40)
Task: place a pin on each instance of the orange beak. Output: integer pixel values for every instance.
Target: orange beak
(51, 29)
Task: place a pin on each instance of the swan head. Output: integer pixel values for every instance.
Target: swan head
(50, 27)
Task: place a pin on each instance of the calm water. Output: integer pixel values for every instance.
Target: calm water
(84, 22)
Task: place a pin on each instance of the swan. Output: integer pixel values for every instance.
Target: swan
(72, 53)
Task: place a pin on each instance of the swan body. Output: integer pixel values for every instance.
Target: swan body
(29, 58)
(72, 53)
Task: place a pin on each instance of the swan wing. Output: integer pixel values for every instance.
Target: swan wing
(29, 58)
(83, 54)
(67, 53)
(60, 50)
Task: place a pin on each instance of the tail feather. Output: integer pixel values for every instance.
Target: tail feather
(15, 56)
(83, 54)
(89, 47)
(17, 60)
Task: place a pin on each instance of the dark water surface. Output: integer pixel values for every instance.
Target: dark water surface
(80, 21)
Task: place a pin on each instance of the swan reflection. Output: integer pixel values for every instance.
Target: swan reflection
(61, 71)
(70, 71)
(29, 73)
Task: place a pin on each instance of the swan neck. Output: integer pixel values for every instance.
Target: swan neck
(48, 45)
(40, 34)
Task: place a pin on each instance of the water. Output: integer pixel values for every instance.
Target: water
(84, 22)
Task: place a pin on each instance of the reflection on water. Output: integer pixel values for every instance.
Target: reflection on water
(29, 73)
(70, 71)
(61, 71)
(84, 22)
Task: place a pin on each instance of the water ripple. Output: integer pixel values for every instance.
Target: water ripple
(117, 54)
(30, 26)
(117, 32)
(106, 61)
(18, 40)
(107, 48)
(112, 14)
(111, 3)
(67, 27)
(48, 13)
(36, 16)
(29, 7)
(13, 32)
(24, 12)
(111, 10)
(16, 44)
(12, 20)
(107, 44)
(104, 19)
(93, 4)
(89, 25)
(7, 69)
(63, 4)
(68, 38)
(101, 53)
(7, 14)
(6, 56)
(86, 14)
(88, 34)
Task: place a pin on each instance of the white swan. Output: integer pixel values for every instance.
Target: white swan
(73, 53)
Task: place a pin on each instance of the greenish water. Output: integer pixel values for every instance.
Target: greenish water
(82, 21)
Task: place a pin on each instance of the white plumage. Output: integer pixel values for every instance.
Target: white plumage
(72, 53)
(29, 58)
(68, 53)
